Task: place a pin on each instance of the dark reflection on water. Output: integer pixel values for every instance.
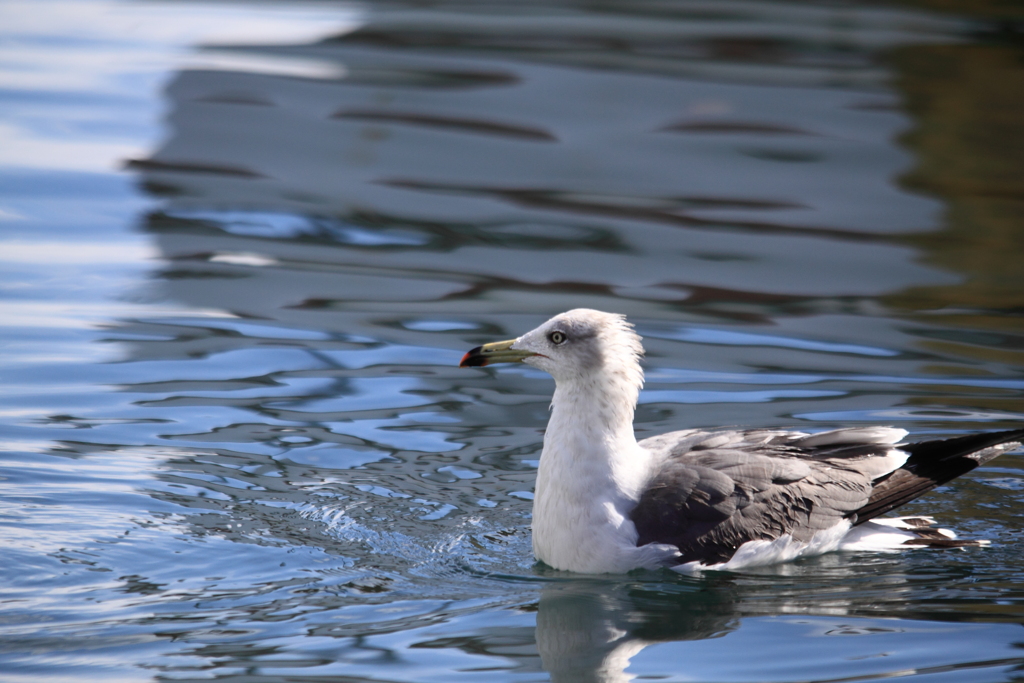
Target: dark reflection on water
(272, 469)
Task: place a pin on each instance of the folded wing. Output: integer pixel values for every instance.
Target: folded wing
(718, 490)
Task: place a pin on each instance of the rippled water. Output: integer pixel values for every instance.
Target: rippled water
(243, 247)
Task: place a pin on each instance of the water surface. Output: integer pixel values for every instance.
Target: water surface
(244, 246)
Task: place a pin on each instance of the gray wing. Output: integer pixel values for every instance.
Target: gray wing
(718, 490)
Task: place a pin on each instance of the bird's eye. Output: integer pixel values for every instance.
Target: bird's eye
(557, 337)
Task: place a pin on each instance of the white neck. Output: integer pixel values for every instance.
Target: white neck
(591, 474)
(591, 430)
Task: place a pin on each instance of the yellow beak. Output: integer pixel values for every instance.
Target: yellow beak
(496, 352)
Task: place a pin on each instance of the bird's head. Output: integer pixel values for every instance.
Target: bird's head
(581, 344)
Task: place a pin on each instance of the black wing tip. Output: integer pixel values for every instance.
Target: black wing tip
(962, 446)
(933, 463)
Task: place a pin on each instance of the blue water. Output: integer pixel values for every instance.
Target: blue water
(244, 246)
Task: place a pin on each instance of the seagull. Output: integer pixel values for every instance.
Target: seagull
(694, 500)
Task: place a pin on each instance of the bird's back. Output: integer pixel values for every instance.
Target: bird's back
(716, 491)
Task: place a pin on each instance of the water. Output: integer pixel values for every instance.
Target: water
(244, 246)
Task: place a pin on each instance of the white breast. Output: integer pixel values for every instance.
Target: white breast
(589, 480)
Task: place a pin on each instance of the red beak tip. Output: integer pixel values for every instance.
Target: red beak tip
(473, 359)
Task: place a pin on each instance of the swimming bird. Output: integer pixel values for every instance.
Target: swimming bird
(695, 499)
